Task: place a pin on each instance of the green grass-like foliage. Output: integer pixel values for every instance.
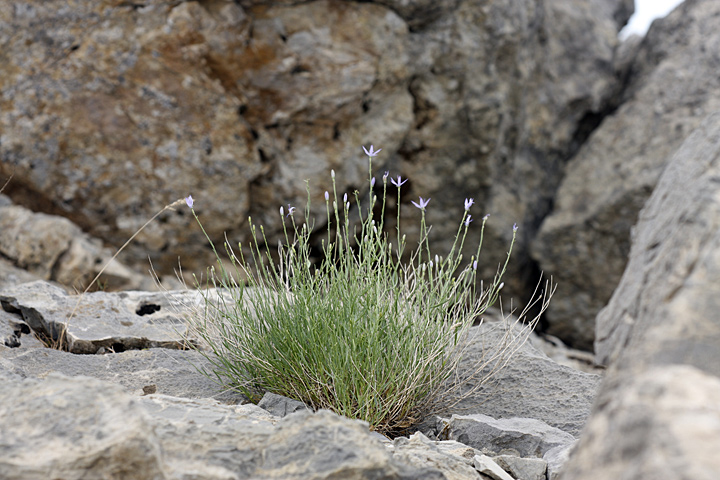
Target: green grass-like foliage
(360, 332)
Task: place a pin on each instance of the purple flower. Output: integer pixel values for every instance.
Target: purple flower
(282, 211)
(371, 153)
(189, 200)
(399, 181)
(385, 175)
(291, 210)
(486, 217)
(468, 220)
(423, 203)
(327, 196)
(515, 227)
(475, 265)
(372, 182)
(469, 203)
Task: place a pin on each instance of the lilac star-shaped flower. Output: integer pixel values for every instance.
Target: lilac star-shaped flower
(423, 203)
(469, 203)
(398, 182)
(189, 200)
(371, 152)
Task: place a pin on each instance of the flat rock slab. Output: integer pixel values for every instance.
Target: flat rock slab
(525, 437)
(138, 372)
(529, 384)
(86, 428)
(109, 321)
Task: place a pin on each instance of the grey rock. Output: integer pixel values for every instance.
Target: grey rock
(661, 423)
(452, 458)
(526, 384)
(86, 428)
(659, 333)
(156, 370)
(663, 310)
(523, 468)
(525, 437)
(10, 275)
(50, 247)
(487, 466)
(556, 459)
(280, 406)
(15, 333)
(75, 428)
(117, 322)
(584, 244)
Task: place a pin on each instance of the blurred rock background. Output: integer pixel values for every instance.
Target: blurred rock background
(111, 110)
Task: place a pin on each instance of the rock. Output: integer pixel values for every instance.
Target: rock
(527, 384)
(656, 414)
(280, 406)
(75, 428)
(556, 458)
(482, 99)
(138, 372)
(128, 320)
(114, 435)
(523, 468)
(585, 242)
(52, 248)
(661, 423)
(14, 333)
(525, 437)
(487, 466)
(663, 310)
(452, 458)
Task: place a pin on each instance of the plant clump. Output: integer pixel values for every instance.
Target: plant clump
(361, 332)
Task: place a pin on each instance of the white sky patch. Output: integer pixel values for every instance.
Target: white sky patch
(645, 12)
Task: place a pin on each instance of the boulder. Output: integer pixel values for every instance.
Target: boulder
(584, 244)
(53, 248)
(661, 423)
(240, 102)
(518, 380)
(525, 437)
(523, 468)
(656, 414)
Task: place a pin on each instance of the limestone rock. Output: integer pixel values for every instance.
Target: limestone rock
(584, 244)
(51, 247)
(656, 414)
(487, 466)
(662, 423)
(452, 458)
(664, 309)
(523, 468)
(525, 437)
(127, 320)
(139, 372)
(280, 406)
(529, 384)
(75, 428)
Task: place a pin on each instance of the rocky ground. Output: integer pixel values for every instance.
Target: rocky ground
(136, 406)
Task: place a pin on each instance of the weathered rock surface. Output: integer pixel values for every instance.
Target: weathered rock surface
(108, 321)
(240, 102)
(525, 437)
(51, 247)
(661, 423)
(584, 244)
(167, 384)
(657, 413)
(530, 385)
(114, 435)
